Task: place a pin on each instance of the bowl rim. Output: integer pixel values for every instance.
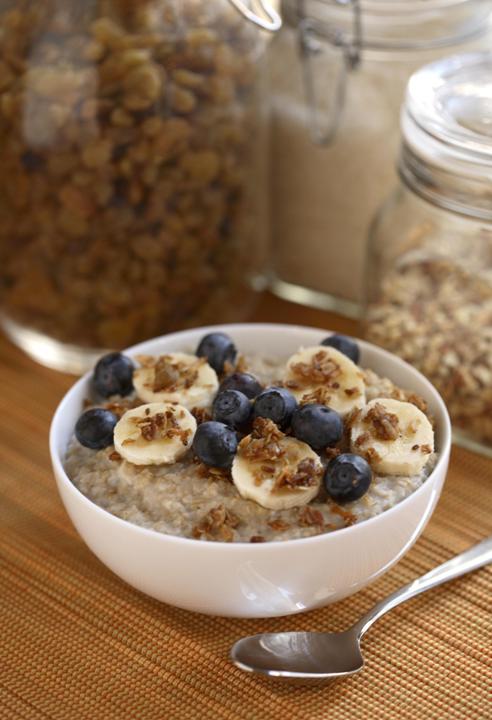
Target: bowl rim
(61, 475)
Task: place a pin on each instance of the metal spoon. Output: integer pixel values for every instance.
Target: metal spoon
(313, 657)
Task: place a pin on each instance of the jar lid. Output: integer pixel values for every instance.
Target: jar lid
(395, 24)
(447, 133)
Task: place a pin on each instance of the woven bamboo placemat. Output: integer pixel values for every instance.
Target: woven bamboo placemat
(76, 643)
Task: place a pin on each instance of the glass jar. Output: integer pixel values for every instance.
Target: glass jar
(430, 252)
(341, 66)
(132, 170)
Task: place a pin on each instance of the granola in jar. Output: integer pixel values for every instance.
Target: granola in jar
(131, 152)
(438, 316)
(429, 276)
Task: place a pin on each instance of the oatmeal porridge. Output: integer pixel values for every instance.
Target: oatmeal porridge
(217, 446)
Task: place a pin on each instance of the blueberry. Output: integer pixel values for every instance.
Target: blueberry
(218, 348)
(215, 444)
(113, 375)
(94, 428)
(232, 408)
(347, 477)
(275, 403)
(345, 345)
(244, 382)
(317, 425)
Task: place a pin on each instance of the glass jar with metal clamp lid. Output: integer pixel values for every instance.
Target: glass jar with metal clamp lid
(340, 68)
(429, 280)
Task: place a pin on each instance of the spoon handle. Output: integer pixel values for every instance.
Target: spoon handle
(472, 559)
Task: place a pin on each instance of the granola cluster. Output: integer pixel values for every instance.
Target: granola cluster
(161, 425)
(277, 459)
(218, 524)
(128, 146)
(305, 474)
(201, 415)
(384, 425)
(263, 444)
(438, 316)
(170, 374)
(321, 369)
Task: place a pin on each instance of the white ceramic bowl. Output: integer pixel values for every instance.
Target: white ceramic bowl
(254, 580)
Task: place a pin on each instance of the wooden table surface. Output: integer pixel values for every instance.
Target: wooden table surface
(75, 642)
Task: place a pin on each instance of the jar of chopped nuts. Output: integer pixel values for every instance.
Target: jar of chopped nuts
(132, 170)
(430, 255)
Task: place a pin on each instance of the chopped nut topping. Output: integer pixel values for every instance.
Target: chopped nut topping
(415, 447)
(305, 474)
(309, 517)
(228, 368)
(353, 392)
(321, 395)
(371, 455)
(417, 401)
(257, 539)
(166, 374)
(332, 452)
(114, 456)
(169, 374)
(212, 473)
(384, 423)
(278, 524)
(201, 415)
(276, 461)
(321, 369)
(362, 439)
(218, 524)
(120, 407)
(263, 443)
(161, 425)
(240, 365)
(352, 417)
(347, 517)
(426, 449)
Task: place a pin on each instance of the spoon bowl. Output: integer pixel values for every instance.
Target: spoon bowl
(300, 655)
(313, 657)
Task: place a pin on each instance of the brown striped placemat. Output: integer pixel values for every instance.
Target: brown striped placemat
(76, 643)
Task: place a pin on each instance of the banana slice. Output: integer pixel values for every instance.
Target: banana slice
(394, 436)
(177, 378)
(154, 434)
(325, 375)
(275, 471)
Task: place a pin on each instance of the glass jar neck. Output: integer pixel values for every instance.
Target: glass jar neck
(446, 154)
(465, 193)
(394, 25)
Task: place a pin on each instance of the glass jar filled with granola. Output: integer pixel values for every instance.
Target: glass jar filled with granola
(430, 253)
(132, 169)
